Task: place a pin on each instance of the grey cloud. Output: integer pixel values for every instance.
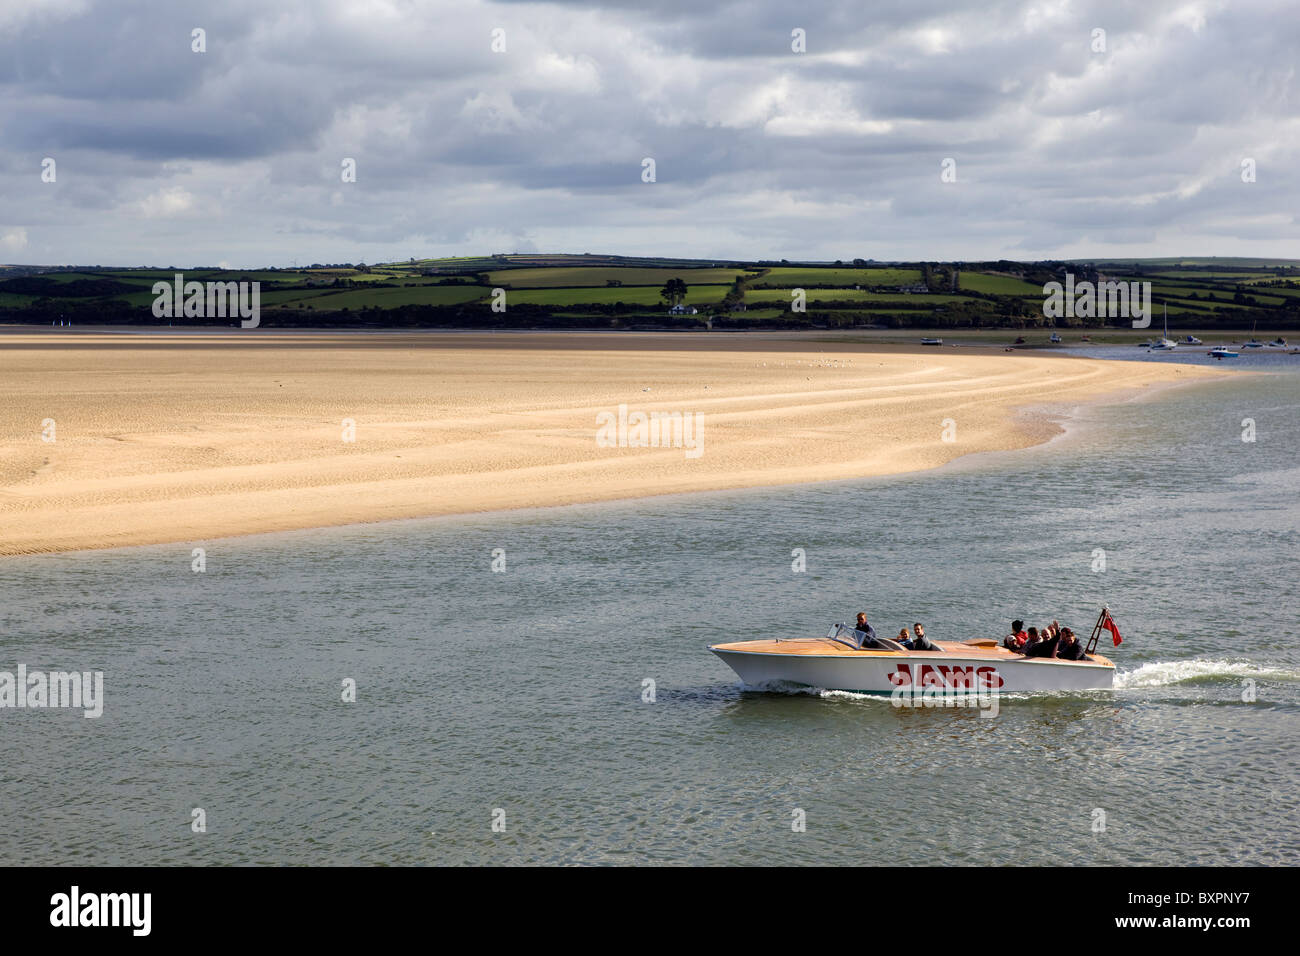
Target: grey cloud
(234, 154)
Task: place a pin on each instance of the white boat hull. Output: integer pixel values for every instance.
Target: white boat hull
(874, 673)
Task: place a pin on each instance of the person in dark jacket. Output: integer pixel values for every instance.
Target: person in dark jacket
(919, 641)
(1031, 638)
(1070, 648)
(1044, 648)
(866, 629)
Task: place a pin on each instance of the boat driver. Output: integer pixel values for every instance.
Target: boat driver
(866, 629)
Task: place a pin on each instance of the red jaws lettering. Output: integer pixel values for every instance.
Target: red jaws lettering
(961, 678)
(947, 675)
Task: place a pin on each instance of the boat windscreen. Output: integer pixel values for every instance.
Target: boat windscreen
(847, 635)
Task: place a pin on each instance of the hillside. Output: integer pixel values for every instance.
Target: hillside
(619, 292)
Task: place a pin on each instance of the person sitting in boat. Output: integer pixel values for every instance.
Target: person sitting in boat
(1031, 638)
(905, 639)
(1070, 648)
(920, 642)
(1046, 647)
(1016, 639)
(866, 629)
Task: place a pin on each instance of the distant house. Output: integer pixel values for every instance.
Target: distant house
(681, 309)
(918, 287)
(739, 307)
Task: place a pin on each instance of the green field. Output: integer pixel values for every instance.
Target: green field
(696, 295)
(991, 284)
(577, 276)
(1195, 274)
(789, 277)
(860, 295)
(378, 298)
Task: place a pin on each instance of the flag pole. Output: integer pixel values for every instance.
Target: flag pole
(1096, 631)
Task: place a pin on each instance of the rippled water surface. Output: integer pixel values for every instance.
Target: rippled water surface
(522, 690)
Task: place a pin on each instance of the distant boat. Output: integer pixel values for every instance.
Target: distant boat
(1192, 340)
(1222, 352)
(1055, 339)
(1085, 339)
(1254, 343)
(1277, 343)
(1020, 340)
(932, 341)
(1165, 343)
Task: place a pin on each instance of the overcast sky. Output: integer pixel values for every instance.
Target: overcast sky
(166, 156)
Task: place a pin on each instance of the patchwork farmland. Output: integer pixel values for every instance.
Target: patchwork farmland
(613, 292)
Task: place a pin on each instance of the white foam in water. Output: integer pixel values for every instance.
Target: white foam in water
(1164, 673)
(785, 687)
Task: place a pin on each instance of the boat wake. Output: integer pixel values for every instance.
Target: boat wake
(785, 687)
(1167, 673)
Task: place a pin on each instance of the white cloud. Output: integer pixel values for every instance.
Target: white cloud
(167, 203)
(13, 240)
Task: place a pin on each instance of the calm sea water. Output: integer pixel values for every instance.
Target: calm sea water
(522, 690)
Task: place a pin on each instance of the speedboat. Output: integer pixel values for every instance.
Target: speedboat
(1192, 340)
(1277, 343)
(1055, 339)
(932, 341)
(846, 660)
(1222, 352)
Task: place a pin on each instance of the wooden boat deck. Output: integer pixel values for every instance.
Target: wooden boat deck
(826, 647)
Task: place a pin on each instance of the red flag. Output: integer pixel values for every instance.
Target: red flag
(1109, 624)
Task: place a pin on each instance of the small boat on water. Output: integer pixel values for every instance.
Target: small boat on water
(1164, 343)
(1020, 340)
(1254, 343)
(1277, 343)
(932, 341)
(1192, 340)
(1222, 352)
(1055, 339)
(845, 659)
